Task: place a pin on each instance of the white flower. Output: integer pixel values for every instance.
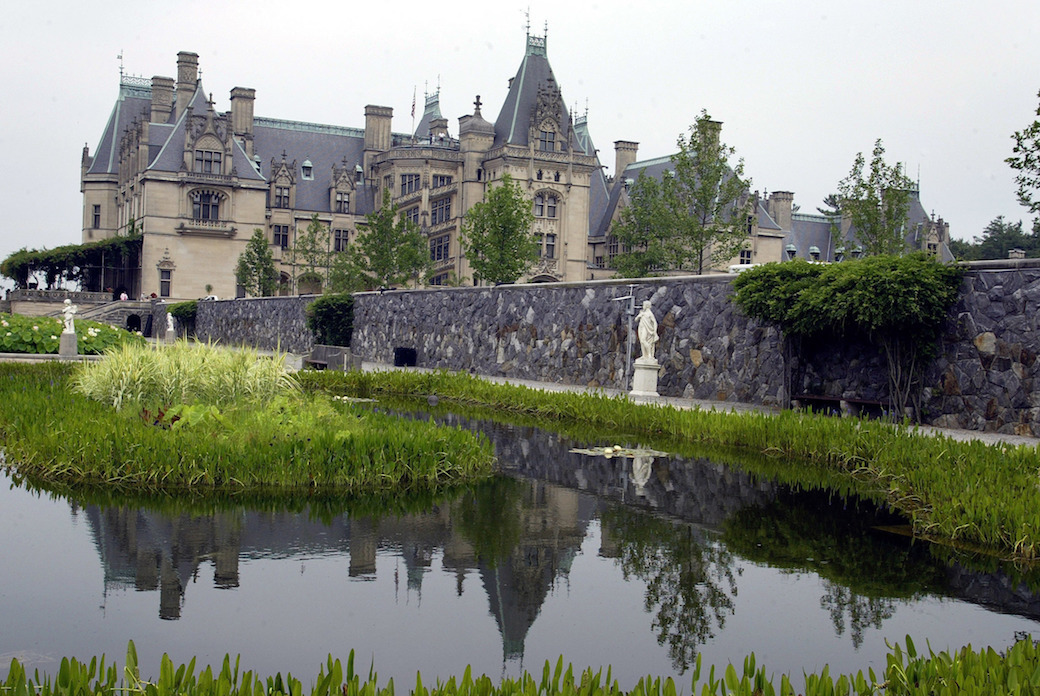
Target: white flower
(54, 337)
(5, 323)
(8, 333)
(36, 328)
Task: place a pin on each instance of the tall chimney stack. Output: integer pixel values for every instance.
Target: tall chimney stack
(625, 152)
(187, 78)
(162, 98)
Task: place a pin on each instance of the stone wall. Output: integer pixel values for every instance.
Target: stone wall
(265, 323)
(577, 333)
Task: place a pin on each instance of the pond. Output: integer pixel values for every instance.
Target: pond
(637, 564)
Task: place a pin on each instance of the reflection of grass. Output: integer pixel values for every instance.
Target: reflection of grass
(961, 491)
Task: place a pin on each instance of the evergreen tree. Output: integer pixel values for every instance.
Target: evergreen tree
(496, 235)
(255, 270)
(391, 251)
(642, 231)
(1026, 163)
(310, 252)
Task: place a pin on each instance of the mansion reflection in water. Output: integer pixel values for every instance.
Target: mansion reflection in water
(521, 535)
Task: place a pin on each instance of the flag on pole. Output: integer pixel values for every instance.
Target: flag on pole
(413, 102)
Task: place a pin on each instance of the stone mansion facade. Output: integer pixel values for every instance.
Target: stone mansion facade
(196, 182)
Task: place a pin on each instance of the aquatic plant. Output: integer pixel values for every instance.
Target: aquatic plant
(969, 493)
(285, 445)
(907, 673)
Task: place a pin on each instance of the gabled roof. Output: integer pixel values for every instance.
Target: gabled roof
(514, 120)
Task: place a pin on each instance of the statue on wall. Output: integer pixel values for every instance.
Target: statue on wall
(169, 322)
(646, 330)
(69, 311)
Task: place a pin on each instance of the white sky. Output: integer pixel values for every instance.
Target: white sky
(800, 86)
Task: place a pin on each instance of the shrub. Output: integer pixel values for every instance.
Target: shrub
(185, 313)
(22, 334)
(331, 319)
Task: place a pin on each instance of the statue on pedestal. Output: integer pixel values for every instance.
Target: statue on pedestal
(647, 333)
(69, 311)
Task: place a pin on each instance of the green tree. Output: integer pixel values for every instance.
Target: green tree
(255, 270)
(1026, 163)
(877, 202)
(310, 252)
(391, 251)
(642, 231)
(496, 235)
(697, 215)
(997, 240)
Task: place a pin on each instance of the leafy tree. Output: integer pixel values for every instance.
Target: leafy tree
(255, 270)
(831, 205)
(877, 202)
(1026, 163)
(392, 251)
(696, 216)
(642, 231)
(997, 240)
(496, 235)
(331, 319)
(898, 303)
(310, 251)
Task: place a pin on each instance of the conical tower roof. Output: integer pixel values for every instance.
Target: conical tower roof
(534, 96)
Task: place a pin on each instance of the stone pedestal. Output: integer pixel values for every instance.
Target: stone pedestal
(644, 380)
(171, 336)
(68, 346)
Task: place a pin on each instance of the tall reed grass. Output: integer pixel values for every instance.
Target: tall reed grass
(283, 445)
(907, 673)
(970, 493)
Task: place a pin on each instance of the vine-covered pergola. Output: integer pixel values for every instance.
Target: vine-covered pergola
(96, 266)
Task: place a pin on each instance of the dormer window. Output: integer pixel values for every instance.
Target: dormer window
(792, 251)
(814, 253)
(256, 164)
(307, 170)
(342, 202)
(547, 141)
(281, 197)
(207, 162)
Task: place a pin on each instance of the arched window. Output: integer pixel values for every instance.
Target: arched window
(545, 205)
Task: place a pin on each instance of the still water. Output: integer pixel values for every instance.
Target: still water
(638, 564)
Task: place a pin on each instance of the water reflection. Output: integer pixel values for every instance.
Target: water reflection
(681, 531)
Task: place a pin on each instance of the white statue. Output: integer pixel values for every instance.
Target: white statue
(69, 311)
(169, 322)
(647, 333)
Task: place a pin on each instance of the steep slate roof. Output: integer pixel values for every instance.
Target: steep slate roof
(654, 168)
(431, 112)
(514, 120)
(598, 192)
(325, 147)
(133, 103)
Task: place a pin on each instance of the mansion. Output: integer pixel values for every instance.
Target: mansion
(196, 183)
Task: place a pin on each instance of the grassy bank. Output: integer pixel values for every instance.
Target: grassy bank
(963, 492)
(907, 673)
(281, 442)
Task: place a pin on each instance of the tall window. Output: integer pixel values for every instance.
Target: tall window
(545, 206)
(281, 236)
(342, 202)
(281, 197)
(339, 240)
(412, 215)
(440, 248)
(745, 256)
(205, 205)
(550, 246)
(441, 180)
(96, 217)
(440, 211)
(547, 141)
(409, 183)
(165, 282)
(207, 162)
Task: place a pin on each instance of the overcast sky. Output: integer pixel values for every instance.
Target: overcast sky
(801, 87)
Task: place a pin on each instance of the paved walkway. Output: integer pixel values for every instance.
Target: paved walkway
(725, 406)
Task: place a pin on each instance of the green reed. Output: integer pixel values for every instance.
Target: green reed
(284, 445)
(907, 673)
(968, 493)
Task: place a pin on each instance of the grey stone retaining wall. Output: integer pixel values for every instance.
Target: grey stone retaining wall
(577, 333)
(265, 323)
(985, 377)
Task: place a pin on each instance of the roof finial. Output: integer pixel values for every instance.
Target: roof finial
(476, 106)
(527, 21)
(120, 57)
